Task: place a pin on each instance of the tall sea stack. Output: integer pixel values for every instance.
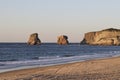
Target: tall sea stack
(62, 40)
(109, 36)
(33, 39)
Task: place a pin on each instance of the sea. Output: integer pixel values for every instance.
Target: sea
(14, 56)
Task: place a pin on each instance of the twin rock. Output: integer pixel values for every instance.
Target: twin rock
(34, 40)
(106, 37)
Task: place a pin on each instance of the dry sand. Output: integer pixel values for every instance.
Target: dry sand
(102, 69)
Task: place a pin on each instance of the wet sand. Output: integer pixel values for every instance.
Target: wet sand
(101, 69)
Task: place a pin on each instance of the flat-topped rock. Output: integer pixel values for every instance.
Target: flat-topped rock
(62, 40)
(109, 36)
(33, 39)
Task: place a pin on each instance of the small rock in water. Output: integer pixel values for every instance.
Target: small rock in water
(62, 40)
(34, 40)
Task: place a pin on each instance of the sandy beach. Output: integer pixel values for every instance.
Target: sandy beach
(101, 69)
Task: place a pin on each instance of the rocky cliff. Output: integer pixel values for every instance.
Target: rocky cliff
(62, 40)
(109, 36)
(33, 39)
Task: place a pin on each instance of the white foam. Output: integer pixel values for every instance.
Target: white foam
(14, 65)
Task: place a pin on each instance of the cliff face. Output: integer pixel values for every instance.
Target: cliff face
(62, 40)
(105, 37)
(34, 40)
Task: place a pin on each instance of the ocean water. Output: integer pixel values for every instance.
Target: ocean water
(20, 55)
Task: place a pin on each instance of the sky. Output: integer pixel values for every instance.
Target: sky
(51, 18)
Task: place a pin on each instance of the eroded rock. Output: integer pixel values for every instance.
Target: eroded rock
(33, 39)
(62, 40)
(109, 36)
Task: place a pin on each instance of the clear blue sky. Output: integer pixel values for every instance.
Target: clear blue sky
(51, 18)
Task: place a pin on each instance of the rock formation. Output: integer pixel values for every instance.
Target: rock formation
(63, 40)
(34, 40)
(109, 36)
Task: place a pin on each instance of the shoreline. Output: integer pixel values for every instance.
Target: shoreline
(41, 66)
(38, 66)
(109, 67)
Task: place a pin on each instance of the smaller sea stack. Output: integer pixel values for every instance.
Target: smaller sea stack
(62, 40)
(33, 39)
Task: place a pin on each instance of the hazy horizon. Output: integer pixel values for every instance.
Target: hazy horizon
(51, 18)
